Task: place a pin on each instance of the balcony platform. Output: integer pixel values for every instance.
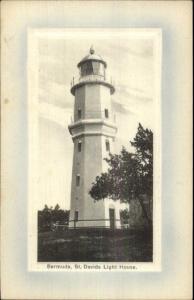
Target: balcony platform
(92, 80)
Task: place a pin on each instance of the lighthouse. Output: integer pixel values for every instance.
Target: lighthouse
(93, 132)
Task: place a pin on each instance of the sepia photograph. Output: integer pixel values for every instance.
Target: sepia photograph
(96, 149)
(97, 117)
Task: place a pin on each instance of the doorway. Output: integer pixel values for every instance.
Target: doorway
(112, 218)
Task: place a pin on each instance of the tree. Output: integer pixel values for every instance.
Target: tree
(48, 216)
(46, 209)
(124, 215)
(130, 175)
(143, 143)
(57, 207)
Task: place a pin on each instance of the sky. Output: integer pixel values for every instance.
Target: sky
(130, 63)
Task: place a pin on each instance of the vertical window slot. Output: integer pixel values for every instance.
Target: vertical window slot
(77, 180)
(79, 146)
(79, 113)
(107, 145)
(106, 113)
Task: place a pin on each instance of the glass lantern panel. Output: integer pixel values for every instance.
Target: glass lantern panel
(92, 68)
(96, 68)
(102, 70)
(86, 69)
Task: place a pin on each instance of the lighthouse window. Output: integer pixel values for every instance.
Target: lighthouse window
(106, 113)
(96, 67)
(79, 146)
(107, 145)
(86, 68)
(78, 180)
(79, 113)
(92, 68)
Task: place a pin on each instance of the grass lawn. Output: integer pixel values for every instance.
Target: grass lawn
(110, 246)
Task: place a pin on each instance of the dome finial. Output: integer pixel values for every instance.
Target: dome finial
(92, 50)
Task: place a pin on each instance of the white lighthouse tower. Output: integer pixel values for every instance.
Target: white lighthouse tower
(93, 133)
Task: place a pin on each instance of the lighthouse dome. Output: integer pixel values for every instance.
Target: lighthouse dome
(92, 70)
(92, 57)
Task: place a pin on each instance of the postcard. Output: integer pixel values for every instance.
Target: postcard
(96, 150)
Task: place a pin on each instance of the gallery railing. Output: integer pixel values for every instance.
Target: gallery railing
(92, 79)
(88, 78)
(76, 224)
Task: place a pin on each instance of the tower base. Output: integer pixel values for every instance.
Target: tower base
(109, 217)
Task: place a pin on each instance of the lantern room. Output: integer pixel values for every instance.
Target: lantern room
(92, 70)
(92, 64)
